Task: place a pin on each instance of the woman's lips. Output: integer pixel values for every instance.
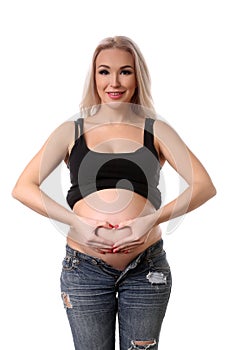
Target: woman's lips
(115, 95)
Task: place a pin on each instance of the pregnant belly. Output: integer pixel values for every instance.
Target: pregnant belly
(115, 206)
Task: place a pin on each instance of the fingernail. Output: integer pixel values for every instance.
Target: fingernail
(116, 226)
(110, 225)
(115, 250)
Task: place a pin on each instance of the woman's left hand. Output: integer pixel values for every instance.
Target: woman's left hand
(140, 231)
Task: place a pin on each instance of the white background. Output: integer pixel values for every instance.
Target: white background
(46, 47)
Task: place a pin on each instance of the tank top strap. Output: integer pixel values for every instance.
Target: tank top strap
(78, 128)
(148, 132)
(149, 136)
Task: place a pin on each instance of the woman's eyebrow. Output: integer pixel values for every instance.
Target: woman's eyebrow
(123, 67)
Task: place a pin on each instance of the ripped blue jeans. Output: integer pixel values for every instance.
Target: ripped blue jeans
(93, 293)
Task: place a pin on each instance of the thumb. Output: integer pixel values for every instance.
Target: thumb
(104, 224)
(125, 223)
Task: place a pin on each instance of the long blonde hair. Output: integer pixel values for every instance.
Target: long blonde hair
(142, 96)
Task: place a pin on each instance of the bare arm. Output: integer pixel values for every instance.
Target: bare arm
(27, 189)
(177, 154)
(200, 187)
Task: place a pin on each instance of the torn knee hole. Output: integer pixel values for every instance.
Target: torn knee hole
(66, 300)
(140, 344)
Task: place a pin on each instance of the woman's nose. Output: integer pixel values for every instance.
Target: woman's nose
(115, 82)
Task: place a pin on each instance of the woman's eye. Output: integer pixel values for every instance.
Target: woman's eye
(103, 72)
(126, 72)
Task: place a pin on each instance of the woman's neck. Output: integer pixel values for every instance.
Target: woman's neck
(115, 112)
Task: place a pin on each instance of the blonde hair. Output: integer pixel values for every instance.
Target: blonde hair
(142, 96)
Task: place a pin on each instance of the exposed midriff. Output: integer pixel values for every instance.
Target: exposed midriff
(115, 206)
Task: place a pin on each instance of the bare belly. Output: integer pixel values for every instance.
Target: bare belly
(115, 206)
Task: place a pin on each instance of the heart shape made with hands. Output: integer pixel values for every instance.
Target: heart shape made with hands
(113, 234)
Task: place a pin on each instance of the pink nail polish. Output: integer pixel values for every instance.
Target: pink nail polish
(116, 226)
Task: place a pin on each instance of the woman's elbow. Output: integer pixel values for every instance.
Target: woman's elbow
(212, 190)
(16, 192)
(20, 191)
(206, 190)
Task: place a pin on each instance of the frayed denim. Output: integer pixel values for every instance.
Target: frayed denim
(93, 293)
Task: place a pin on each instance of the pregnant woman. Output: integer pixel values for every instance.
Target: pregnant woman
(115, 262)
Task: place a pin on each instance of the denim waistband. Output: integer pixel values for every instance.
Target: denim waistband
(150, 252)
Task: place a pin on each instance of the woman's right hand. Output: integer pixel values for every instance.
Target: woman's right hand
(84, 231)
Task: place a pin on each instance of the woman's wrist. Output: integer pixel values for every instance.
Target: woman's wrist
(73, 218)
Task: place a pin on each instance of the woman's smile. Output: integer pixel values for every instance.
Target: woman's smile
(115, 95)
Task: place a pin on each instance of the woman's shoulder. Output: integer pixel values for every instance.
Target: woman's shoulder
(62, 135)
(64, 130)
(163, 129)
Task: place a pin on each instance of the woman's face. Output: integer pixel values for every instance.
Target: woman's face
(115, 76)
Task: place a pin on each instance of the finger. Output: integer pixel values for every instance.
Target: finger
(129, 240)
(105, 224)
(100, 242)
(96, 245)
(107, 228)
(123, 249)
(92, 239)
(127, 249)
(124, 224)
(103, 251)
(130, 248)
(119, 247)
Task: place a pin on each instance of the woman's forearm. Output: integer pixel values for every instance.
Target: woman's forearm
(34, 198)
(193, 197)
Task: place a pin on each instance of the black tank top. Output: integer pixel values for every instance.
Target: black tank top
(91, 171)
